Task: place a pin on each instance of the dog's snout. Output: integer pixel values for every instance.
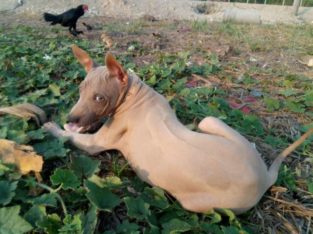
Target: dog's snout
(72, 119)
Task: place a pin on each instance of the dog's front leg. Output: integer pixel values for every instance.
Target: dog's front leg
(87, 142)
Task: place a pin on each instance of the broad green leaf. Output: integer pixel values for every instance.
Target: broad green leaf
(90, 220)
(127, 228)
(11, 222)
(72, 225)
(102, 198)
(47, 199)
(35, 214)
(231, 230)
(7, 191)
(51, 224)
(211, 228)
(137, 208)
(66, 178)
(83, 166)
(155, 197)
(52, 148)
(175, 226)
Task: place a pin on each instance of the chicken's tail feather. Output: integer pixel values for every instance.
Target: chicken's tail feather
(51, 18)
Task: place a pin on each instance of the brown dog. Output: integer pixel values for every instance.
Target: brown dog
(217, 168)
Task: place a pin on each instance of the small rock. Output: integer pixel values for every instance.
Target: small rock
(242, 16)
(253, 60)
(256, 93)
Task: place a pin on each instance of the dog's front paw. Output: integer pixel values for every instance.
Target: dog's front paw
(54, 129)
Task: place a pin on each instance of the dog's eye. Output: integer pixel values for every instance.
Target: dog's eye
(99, 98)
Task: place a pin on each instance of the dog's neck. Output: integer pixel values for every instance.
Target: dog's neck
(137, 92)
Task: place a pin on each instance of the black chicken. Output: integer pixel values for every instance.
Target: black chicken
(68, 18)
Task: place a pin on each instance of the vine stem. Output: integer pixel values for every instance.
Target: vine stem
(54, 191)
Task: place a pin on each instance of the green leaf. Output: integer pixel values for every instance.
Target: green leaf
(90, 220)
(4, 169)
(102, 198)
(55, 90)
(137, 208)
(155, 197)
(38, 134)
(127, 227)
(66, 178)
(35, 214)
(211, 228)
(294, 106)
(288, 92)
(230, 230)
(51, 149)
(7, 191)
(310, 186)
(308, 98)
(83, 166)
(11, 222)
(228, 213)
(175, 226)
(50, 224)
(109, 181)
(271, 104)
(47, 199)
(286, 177)
(215, 217)
(72, 225)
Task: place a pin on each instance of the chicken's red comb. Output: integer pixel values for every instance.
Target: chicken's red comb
(85, 7)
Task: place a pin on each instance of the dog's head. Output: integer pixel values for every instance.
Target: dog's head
(100, 93)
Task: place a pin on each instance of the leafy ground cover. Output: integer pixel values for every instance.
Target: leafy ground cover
(249, 77)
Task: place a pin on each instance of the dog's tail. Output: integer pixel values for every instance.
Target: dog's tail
(26, 110)
(274, 168)
(54, 19)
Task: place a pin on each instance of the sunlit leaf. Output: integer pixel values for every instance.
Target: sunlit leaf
(175, 226)
(11, 222)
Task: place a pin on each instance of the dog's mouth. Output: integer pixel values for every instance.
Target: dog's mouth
(73, 127)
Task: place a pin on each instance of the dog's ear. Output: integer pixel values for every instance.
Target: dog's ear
(83, 58)
(115, 69)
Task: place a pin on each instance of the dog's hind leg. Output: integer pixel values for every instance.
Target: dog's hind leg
(214, 126)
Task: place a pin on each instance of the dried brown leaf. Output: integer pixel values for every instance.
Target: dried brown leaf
(22, 156)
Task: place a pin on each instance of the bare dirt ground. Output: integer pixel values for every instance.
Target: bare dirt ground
(264, 52)
(163, 9)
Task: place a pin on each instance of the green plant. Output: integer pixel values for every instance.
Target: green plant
(79, 194)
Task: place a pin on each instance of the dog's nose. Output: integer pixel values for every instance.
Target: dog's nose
(72, 119)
